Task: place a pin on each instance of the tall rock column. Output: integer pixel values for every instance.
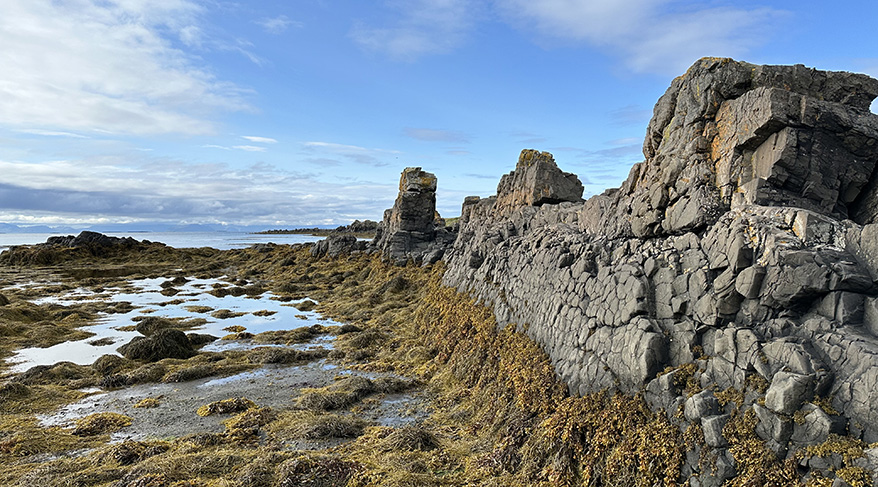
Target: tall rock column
(409, 229)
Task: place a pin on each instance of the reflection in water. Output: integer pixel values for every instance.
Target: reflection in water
(191, 301)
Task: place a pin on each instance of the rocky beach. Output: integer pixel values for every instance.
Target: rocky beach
(711, 322)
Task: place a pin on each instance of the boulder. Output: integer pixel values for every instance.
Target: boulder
(336, 245)
(701, 405)
(788, 391)
(712, 426)
(816, 426)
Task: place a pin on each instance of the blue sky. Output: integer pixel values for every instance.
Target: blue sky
(284, 114)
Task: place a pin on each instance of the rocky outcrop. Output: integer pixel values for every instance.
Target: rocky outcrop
(729, 134)
(412, 230)
(338, 244)
(85, 245)
(535, 181)
(744, 244)
(90, 239)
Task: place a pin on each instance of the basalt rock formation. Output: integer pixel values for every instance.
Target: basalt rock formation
(746, 244)
(412, 229)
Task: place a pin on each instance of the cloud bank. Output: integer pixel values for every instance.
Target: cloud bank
(112, 66)
(80, 191)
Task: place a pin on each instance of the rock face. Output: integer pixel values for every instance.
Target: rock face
(535, 181)
(746, 243)
(412, 230)
(729, 134)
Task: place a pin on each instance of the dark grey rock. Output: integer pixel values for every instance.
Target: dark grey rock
(536, 181)
(817, 426)
(409, 229)
(773, 428)
(336, 245)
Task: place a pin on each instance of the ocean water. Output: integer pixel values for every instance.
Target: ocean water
(217, 240)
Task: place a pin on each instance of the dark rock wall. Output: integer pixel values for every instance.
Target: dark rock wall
(746, 243)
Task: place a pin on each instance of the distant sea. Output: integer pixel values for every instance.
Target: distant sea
(217, 240)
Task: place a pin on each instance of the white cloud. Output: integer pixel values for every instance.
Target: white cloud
(360, 155)
(259, 140)
(662, 36)
(111, 66)
(247, 148)
(423, 27)
(51, 133)
(277, 25)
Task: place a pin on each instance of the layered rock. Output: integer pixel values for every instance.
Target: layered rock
(535, 181)
(728, 134)
(745, 243)
(412, 229)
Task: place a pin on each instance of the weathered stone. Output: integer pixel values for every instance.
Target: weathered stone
(701, 405)
(729, 235)
(816, 426)
(722, 470)
(788, 391)
(410, 228)
(336, 245)
(712, 426)
(535, 181)
(772, 427)
(749, 281)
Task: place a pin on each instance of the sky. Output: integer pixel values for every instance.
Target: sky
(285, 114)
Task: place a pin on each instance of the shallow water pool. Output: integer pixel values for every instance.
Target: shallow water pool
(191, 301)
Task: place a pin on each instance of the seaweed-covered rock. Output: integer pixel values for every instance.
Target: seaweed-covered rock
(744, 245)
(151, 324)
(337, 244)
(164, 343)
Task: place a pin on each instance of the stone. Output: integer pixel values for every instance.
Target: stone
(3, 300)
(788, 391)
(771, 426)
(749, 281)
(701, 405)
(336, 245)
(712, 426)
(816, 426)
(722, 470)
(536, 181)
(746, 231)
(410, 228)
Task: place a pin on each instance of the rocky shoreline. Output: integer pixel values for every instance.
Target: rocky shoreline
(741, 252)
(713, 321)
